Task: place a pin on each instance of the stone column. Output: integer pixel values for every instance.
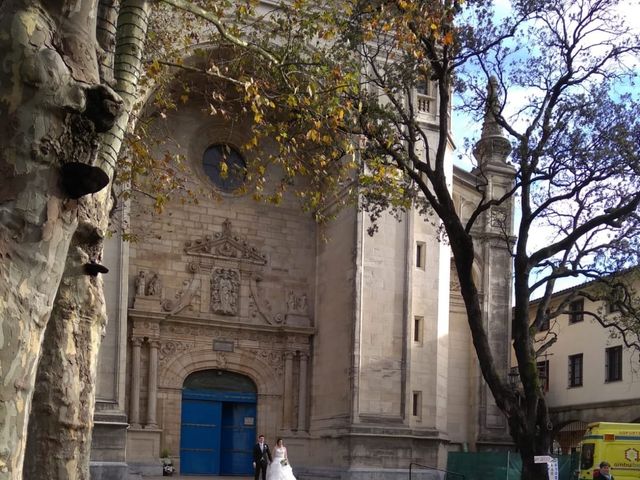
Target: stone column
(152, 388)
(287, 412)
(302, 394)
(134, 400)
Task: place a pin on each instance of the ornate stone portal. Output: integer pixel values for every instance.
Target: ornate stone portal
(205, 324)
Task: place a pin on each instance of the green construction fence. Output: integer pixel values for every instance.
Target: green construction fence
(501, 465)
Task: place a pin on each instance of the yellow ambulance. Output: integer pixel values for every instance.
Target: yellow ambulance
(616, 443)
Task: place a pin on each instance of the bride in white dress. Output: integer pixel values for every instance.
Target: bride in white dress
(280, 468)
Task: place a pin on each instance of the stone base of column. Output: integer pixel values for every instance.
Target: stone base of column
(143, 448)
(108, 445)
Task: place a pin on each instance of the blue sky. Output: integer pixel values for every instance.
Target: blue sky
(464, 127)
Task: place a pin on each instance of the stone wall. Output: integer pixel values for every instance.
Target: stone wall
(227, 283)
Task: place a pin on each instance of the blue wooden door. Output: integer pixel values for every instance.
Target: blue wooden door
(200, 436)
(238, 437)
(218, 432)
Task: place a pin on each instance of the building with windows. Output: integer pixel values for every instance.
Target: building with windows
(232, 318)
(588, 373)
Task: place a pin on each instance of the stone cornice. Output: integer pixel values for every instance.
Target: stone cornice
(146, 315)
(586, 406)
(141, 315)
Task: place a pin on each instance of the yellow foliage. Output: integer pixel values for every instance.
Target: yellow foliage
(313, 135)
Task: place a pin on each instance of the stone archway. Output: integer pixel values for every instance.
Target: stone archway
(218, 427)
(178, 361)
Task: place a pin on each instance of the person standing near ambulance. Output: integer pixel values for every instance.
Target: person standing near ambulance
(604, 473)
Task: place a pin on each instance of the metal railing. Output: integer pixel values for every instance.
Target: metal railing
(447, 474)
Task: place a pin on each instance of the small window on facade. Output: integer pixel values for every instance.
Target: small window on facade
(543, 374)
(612, 306)
(576, 311)
(225, 167)
(420, 254)
(613, 364)
(617, 297)
(575, 370)
(418, 325)
(416, 406)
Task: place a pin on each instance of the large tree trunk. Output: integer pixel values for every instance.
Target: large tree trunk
(61, 423)
(531, 436)
(526, 412)
(59, 440)
(51, 99)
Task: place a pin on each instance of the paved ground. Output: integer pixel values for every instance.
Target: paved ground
(196, 477)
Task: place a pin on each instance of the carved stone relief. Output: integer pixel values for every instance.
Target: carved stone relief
(143, 328)
(193, 330)
(297, 309)
(171, 349)
(273, 359)
(148, 284)
(297, 304)
(225, 291)
(183, 297)
(259, 306)
(141, 284)
(206, 332)
(148, 291)
(224, 245)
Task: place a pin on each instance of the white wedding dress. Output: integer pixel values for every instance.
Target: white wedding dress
(278, 471)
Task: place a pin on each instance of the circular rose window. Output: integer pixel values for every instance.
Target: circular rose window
(224, 165)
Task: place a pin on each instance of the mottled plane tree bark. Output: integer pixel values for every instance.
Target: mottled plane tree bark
(61, 420)
(53, 107)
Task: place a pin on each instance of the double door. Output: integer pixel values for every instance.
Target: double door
(217, 433)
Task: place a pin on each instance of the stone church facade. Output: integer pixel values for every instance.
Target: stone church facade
(354, 349)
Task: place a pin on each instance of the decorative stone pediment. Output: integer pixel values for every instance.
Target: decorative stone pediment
(225, 245)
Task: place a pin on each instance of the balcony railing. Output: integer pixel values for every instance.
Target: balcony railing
(426, 103)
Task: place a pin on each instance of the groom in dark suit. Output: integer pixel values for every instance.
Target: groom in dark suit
(261, 458)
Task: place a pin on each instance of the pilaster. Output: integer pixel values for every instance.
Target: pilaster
(152, 386)
(134, 399)
(302, 393)
(288, 391)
